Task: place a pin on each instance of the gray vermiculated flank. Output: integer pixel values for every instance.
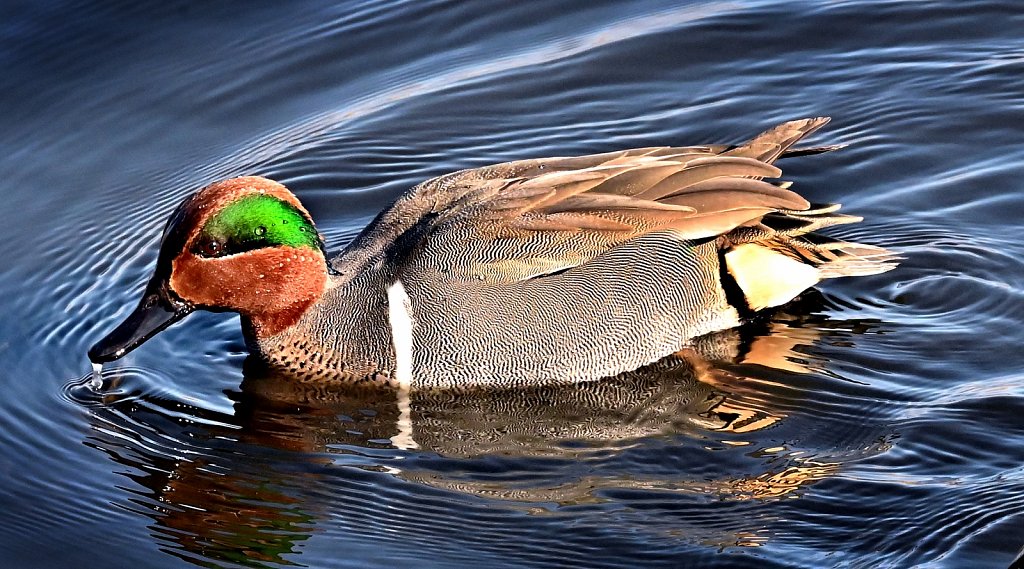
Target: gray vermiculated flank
(561, 269)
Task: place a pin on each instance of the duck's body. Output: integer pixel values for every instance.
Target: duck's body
(551, 270)
(586, 323)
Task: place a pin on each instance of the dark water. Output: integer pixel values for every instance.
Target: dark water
(878, 422)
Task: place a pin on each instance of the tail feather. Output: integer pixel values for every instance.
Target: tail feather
(835, 258)
(858, 260)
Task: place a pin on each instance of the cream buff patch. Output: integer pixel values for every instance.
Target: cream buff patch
(768, 278)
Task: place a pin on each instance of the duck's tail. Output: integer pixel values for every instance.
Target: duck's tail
(780, 256)
(783, 256)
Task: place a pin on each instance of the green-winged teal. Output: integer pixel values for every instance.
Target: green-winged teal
(547, 270)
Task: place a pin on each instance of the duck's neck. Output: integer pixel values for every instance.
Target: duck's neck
(344, 332)
(285, 301)
(268, 324)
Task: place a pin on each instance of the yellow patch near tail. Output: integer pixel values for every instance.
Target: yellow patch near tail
(768, 278)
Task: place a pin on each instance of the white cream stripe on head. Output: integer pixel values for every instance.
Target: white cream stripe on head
(400, 318)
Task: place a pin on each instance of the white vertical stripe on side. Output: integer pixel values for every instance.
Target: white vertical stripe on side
(401, 320)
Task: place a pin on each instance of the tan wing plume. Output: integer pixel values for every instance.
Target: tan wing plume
(560, 212)
(704, 188)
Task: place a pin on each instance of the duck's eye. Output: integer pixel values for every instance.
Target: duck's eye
(211, 248)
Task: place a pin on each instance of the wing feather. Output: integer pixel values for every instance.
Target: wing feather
(704, 169)
(518, 220)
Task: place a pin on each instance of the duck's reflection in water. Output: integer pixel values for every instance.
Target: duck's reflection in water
(250, 487)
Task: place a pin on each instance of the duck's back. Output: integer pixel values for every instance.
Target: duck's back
(569, 269)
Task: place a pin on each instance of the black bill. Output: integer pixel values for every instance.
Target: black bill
(155, 312)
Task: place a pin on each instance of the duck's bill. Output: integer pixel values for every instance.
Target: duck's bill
(154, 313)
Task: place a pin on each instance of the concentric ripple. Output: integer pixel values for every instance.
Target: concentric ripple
(872, 423)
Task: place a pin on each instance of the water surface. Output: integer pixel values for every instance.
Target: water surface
(875, 422)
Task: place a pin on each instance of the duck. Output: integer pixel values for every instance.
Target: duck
(550, 270)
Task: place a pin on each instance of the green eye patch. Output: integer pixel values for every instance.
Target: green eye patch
(254, 222)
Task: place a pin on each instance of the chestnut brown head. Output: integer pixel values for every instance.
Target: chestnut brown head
(244, 245)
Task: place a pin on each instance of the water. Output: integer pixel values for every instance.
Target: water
(873, 423)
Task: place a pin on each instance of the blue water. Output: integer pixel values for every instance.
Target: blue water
(875, 422)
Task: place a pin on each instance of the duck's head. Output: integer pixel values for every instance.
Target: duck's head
(244, 245)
